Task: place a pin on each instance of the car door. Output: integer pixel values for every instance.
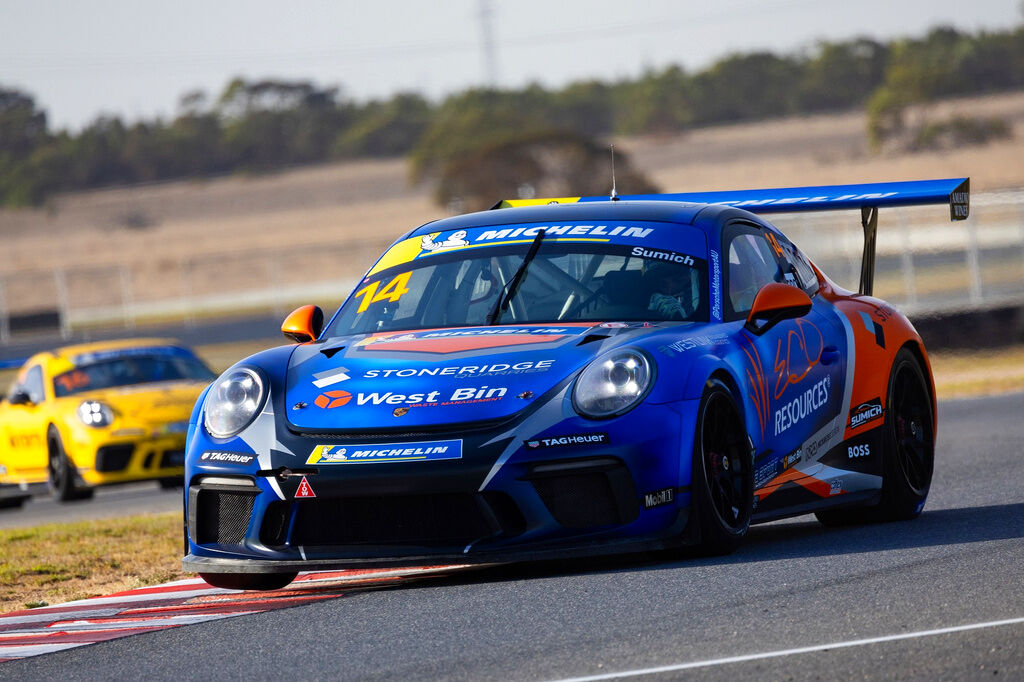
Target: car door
(24, 427)
(794, 368)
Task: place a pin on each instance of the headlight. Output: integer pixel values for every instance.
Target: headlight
(232, 402)
(95, 413)
(612, 384)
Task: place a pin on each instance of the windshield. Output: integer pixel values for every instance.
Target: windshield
(566, 281)
(130, 370)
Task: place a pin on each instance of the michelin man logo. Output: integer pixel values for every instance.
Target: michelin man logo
(455, 240)
(332, 455)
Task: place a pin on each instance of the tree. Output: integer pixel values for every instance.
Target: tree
(546, 164)
(388, 128)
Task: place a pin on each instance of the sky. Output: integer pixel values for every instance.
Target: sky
(136, 58)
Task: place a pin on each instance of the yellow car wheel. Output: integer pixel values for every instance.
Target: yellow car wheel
(62, 472)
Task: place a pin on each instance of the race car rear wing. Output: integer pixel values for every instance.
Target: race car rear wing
(868, 197)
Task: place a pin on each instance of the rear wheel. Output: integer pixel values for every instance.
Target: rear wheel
(908, 453)
(722, 484)
(910, 440)
(248, 581)
(62, 472)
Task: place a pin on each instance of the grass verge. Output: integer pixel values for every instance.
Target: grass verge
(961, 374)
(61, 562)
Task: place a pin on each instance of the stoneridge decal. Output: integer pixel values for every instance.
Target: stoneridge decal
(385, 452)
(462, 371)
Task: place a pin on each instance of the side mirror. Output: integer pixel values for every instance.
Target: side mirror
(774, 303)
(19, 397)
(304, 324)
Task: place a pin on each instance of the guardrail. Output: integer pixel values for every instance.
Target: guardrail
(924, 264)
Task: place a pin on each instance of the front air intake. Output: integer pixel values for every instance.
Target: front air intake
(219, 513)
(585, 493)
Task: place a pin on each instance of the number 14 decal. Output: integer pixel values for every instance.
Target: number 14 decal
(392, 291)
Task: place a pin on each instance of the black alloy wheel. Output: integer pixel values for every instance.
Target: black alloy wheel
(248, 581)
(908, 450)
(723, 478)
(910, 441)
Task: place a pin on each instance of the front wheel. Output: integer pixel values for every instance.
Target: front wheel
(248, 581)
(722, 484)
(62, 472)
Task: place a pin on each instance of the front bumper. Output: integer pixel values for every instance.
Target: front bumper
(14, 491)
(501, 501)
(122, 460)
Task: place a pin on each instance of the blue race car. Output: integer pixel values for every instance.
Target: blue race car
(567, 377)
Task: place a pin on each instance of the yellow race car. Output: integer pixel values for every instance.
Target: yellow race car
(93, 414)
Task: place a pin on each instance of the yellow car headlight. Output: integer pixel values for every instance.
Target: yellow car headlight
(94, 413)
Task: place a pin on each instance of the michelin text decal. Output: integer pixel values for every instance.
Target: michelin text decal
(385, 452)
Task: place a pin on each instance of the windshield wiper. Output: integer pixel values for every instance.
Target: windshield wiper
(508, 292)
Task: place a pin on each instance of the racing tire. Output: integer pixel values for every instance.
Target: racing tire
(908, 452)
(171, 482)
(62, 472)
(722, 481)
(248, 581)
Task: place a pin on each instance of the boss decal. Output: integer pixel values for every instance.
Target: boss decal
(564, 441)
(865, 412)
(854, 451)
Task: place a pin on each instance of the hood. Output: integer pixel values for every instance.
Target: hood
(147, 405)
(439, 376)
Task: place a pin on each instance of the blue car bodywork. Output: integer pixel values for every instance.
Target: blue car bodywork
(389, 442)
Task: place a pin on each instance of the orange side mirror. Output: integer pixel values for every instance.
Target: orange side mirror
(304, 324)
(774, 303)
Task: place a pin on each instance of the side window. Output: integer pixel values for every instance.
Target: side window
(804, 271)
(751, 265)
(32, 383)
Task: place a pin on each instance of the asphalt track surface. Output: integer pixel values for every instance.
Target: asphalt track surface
(110, 502)
(941, 597)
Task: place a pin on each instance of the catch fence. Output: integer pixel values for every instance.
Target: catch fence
(925, 265)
